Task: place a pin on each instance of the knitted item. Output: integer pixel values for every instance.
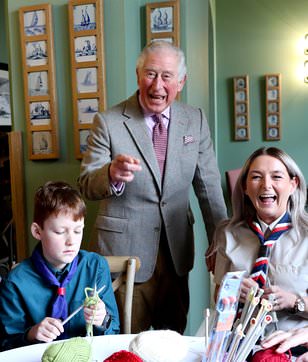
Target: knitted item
(72, 350)
(159, 346)
(92, 298)
(270, 355)
(123, 356)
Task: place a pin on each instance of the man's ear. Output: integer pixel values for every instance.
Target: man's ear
(36, 231)
(181, 83)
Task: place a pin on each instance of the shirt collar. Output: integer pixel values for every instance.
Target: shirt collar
(264, 226)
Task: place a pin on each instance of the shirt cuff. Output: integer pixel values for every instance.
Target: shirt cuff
(117, 187)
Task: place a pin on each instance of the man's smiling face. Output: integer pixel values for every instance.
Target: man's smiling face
(158, 80)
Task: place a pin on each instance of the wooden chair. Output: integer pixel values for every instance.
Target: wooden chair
(127, 266)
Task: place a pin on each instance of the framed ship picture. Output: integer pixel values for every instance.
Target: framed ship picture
(86, 28)
(36, 36)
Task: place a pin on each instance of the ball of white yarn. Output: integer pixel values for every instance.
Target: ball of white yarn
(159, 346)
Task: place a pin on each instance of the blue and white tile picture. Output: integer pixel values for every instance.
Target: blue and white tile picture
(84, 17)
(35, 22)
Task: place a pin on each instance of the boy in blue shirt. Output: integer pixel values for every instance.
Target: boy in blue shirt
(40, 292)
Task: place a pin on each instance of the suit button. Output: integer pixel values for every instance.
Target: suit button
(157, 229)
(163, 203)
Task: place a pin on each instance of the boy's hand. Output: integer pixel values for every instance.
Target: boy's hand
(95, 314)
(45, 331)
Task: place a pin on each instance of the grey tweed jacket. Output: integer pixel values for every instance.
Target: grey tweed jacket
(129, 223)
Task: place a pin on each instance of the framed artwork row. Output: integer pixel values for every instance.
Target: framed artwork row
(273, 107)
(163, 21)
(39, 81)
(272, 104)
(86, 29)
(241, 108)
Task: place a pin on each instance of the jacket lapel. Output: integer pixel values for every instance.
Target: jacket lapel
(139, 132)
(178, 121)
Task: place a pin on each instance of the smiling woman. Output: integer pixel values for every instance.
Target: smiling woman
(270, 194)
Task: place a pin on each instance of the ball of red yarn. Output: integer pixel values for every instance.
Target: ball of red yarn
(270, 355)
(124, 356)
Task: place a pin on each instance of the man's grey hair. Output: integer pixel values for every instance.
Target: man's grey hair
(161, 44)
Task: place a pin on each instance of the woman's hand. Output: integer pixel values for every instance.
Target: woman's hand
(286, 340)
(246, 285)
(280, 298)
(45, 331)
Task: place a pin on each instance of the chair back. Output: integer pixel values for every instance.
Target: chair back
(126, 266)
(231, 179)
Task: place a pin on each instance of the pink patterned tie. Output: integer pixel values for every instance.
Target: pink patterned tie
(160, 141)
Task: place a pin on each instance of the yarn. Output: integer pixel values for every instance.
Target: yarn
(270, 355)
(159, 346)
(123, 356)
(72, 350)
(92, 298)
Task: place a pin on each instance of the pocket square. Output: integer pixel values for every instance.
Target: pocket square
(188, 139)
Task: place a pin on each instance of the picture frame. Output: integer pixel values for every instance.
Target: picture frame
(42, 143)
(86, 29)
(273, 107)
(36, 53)
(85, 48)
(86, 80)
(83, 137)
(86, 110)
(84, 16)
(163, 21)
(241, 108)
(40, 113)
(5, 101)
(38, 83)
(34, 21)
(36, 35)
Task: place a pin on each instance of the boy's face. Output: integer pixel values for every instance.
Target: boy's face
(61, 238)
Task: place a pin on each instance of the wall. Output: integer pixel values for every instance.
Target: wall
(258, 37)
(124, 38)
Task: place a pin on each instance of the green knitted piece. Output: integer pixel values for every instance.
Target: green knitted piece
(91, 299)
(75, 349)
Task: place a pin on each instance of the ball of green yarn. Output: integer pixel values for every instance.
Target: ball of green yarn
(72, 350)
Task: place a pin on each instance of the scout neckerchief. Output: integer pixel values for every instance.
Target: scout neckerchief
(59, 303)
(260, 268)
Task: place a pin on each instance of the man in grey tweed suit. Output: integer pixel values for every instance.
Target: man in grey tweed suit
(142, 211)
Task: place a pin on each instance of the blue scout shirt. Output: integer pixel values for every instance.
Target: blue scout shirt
(25, 300)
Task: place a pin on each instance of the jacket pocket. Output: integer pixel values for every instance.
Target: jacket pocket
(109, 223)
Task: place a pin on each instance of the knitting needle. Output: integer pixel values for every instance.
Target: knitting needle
(79, 308)
(207, 316)
(258, 329)
(238, 335)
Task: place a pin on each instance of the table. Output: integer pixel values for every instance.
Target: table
(102, 347)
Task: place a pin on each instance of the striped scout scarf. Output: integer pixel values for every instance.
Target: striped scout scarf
(260, 268)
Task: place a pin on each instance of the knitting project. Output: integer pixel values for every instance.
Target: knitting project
(72, 350)
(92, 298)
